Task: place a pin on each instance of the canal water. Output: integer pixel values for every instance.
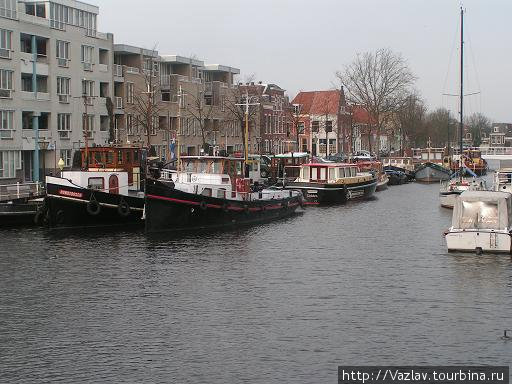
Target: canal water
(287, 302)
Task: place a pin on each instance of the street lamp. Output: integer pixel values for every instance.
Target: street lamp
(61, 165)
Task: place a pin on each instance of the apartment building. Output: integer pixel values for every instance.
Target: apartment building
(55, 75)
(164, 99)
(323, 120)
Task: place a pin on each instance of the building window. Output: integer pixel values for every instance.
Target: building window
(129, 125)
(6, 83)
(63, 86)
(8, 8)
(64, 125)
(62, 50)
(129, 93)
(328, 126)
(5, 43)
(315, 126)
(87, 54)
(10, 162)
(6, 124)
(88, 125)
(65, 155)
(87, 88)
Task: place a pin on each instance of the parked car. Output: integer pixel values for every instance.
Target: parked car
(363, 155)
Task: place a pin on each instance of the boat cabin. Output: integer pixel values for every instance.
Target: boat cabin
(503, 180)
(327, 172)
(287, 164)
(476, 210)
(103, 181)
(127, 159)
(406, 163)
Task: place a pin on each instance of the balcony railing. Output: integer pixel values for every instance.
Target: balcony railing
(118, 70)
(119, 102)
(133, 70)
(103, 67)
(165, 80)
(64, 134)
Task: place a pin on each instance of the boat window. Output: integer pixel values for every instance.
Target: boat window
(135, 156)
(98, 158)
(128, 157)
(188, 166)
(202, 167)
(479, 214)
(119, 157)
(217, 167)
(323, 173)
(314, 173)
(206, 192)
(353, 171)
(110, 158)
(238, 165)
(424, 156)
(221, 193)
(332, 173)
(96, 183)
(305, 173)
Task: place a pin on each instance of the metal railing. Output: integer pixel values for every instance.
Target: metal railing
(134, 70)
(20, 190)
(118, 70)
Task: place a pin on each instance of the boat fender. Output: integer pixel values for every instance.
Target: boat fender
(225, 207)
(123, 208)
(203, 205)
(93, 207)
(59, 217)
(40, 214)
(246, 209)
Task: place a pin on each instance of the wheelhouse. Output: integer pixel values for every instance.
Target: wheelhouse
(127, 159)
(327, 172)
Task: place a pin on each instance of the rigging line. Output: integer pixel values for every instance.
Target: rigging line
(475, 69)
(451, 55)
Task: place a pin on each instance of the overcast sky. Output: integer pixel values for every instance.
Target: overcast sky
(299, 44)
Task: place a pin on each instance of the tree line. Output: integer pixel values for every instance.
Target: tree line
(382, 83)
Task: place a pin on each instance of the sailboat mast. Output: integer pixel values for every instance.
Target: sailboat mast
(461, 124)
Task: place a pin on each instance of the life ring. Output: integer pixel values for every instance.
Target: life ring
(93, 207)
(123, 208)
(60, 217)
(203, 205)
(225, 207)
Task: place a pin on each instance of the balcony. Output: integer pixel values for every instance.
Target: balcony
(165, 81)
(118, 70)
(118, 102)
(88, 100)
(103, 67)
(27, 64)
(87, 66)
(63, 62)
(133, 70)
(6, 93)
(64, 135)
(64, 99)
(29, 96)
(5, 53)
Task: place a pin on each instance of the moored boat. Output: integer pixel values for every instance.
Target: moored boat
(376, 168)
(210, 192)
(431, 173)
(91, 199)
(481, 222)
(327, 183)
(450, 189)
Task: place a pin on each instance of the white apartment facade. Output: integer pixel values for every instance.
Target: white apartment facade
(73, 66)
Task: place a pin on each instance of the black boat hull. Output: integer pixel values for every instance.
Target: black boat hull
(315, 193)
(18, 213)
(169, 209)
(67, 207)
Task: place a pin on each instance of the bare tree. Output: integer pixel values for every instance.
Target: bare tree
(377, 81)
(295, 115)
(201, 109)
(409, 119)
(147, 105)
(233, 104)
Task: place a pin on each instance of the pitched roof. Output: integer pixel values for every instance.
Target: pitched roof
(318, 102)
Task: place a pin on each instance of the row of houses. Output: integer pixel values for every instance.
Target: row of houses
(64, 85)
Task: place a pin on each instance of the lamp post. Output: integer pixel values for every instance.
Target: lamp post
(61, 165)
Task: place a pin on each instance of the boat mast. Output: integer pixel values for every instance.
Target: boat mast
(461, 124)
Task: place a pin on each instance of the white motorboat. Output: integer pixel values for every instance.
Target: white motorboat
(481, 222)
(503, 180)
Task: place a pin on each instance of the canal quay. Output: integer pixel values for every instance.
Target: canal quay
(368, 282)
